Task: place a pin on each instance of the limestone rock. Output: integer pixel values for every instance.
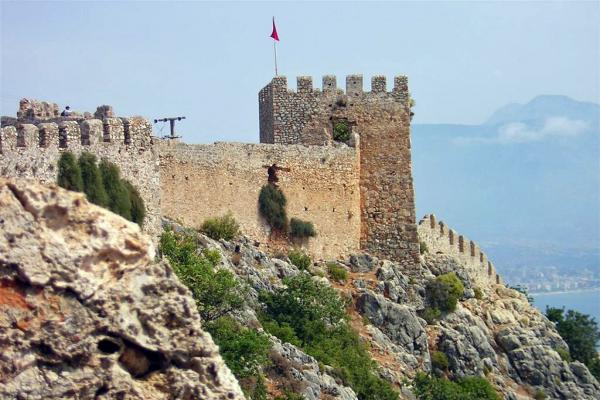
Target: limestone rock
(86, 313)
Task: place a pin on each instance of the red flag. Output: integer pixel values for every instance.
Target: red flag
(274, 34)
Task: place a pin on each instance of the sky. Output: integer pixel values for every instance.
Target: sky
(207, 61)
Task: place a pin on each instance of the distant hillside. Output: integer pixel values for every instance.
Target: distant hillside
(529, 175)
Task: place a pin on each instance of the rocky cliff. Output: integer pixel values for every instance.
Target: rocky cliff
(493, 333)
(86, 313)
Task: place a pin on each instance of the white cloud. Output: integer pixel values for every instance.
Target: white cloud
(519, 132)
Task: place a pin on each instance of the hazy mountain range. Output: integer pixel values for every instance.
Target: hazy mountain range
(524, 184)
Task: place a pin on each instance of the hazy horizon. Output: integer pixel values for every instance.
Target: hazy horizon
(208, 61)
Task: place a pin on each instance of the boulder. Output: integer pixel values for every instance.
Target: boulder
(86, 312)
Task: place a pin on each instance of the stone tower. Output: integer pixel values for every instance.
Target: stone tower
(380, 129)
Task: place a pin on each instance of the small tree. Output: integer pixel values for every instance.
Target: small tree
(271, 204)
(69, 173)
(579, 331)
(118, 195)
(92, 180)
(138, 208)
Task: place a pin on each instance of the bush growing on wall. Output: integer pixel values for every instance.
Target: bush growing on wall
(271, 204)
(341, 131)
(444, 291)
(69, 174)
(119, 201)
(225, 227)
(92, 180)
(301, 229)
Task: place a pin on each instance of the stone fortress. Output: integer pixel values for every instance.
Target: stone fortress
(359, 194)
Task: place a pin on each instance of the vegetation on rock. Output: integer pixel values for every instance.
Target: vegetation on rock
(69, 174)
(467, 388)
(300, 259)
(439, 360)
(313, 315)
(444, 291)
(423, 248)
(217, 294)
(224, 227)
(216, 291)
(244, 350)
(581, 333)
(337, 272)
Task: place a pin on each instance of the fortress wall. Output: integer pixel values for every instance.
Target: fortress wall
(33, 150)
(443, 240)
(322, 186)
(381, 120)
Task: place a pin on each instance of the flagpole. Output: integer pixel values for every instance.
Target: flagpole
(275, 53)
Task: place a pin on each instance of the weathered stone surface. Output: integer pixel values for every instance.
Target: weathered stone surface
(86, 313)
(399, 323)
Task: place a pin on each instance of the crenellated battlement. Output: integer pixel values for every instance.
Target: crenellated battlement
(440, 239)
(38, 125)
(354, 86)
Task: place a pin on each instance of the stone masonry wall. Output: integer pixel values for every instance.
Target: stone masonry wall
(32, 151)
(321, 186)
(442, 239)
(381, 119)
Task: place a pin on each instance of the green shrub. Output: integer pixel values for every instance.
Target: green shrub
(423, 248)
(564, 354)
(118, 195)
(439, 360)
(337, 272)
(341, 131)
(431, 315)
(92, 180)
(478, 293)
(244, 350)
(212, 255)
(302, 229)
(69, 174)
(283, 331)
(581, 333)
(317, 316)
(138, 208)
(216, 291)
(271, 204)
(444, 291)
(540, 395)
(467, 388)
(299, 259)
(225, 227)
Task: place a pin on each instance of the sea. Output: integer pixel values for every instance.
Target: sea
(584, 301)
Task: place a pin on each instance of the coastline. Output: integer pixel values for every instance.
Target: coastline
(597, 289)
